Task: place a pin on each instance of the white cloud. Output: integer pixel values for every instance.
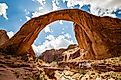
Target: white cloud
(54, 5)
(42, 2)
(36, 14)
(50, 37)
(63, 28)
(20, 19)
(98, 7)
(61, 22)
(27, 18)
(51, 42)
(64, 1)
(3, 8)
(67, 35)
(10, 34)
(71, 3)
(26, 12)
(40, 8)
(119, 12)
(47, 29)
(41, 11)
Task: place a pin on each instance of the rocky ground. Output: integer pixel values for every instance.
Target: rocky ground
(23, 68)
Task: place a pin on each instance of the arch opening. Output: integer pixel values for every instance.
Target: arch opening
(42, 21)
(56, 35)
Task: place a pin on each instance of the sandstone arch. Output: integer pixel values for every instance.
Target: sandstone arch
(97, 33)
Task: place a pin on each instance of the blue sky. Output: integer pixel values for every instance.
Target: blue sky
(14, 13)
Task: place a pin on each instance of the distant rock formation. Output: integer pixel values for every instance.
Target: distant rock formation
(58, 55)
(98, 37)
(3, 37)
(52, 55)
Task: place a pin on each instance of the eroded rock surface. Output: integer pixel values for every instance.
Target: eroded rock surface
(70, 53)
(3, 37)
(52, 55)
(105, 32)
(17, 68)
(98, 37)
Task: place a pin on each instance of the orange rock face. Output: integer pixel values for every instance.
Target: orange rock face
(98, 37)
(103, 40)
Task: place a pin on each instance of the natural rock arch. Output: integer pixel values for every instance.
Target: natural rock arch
(92, 29)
